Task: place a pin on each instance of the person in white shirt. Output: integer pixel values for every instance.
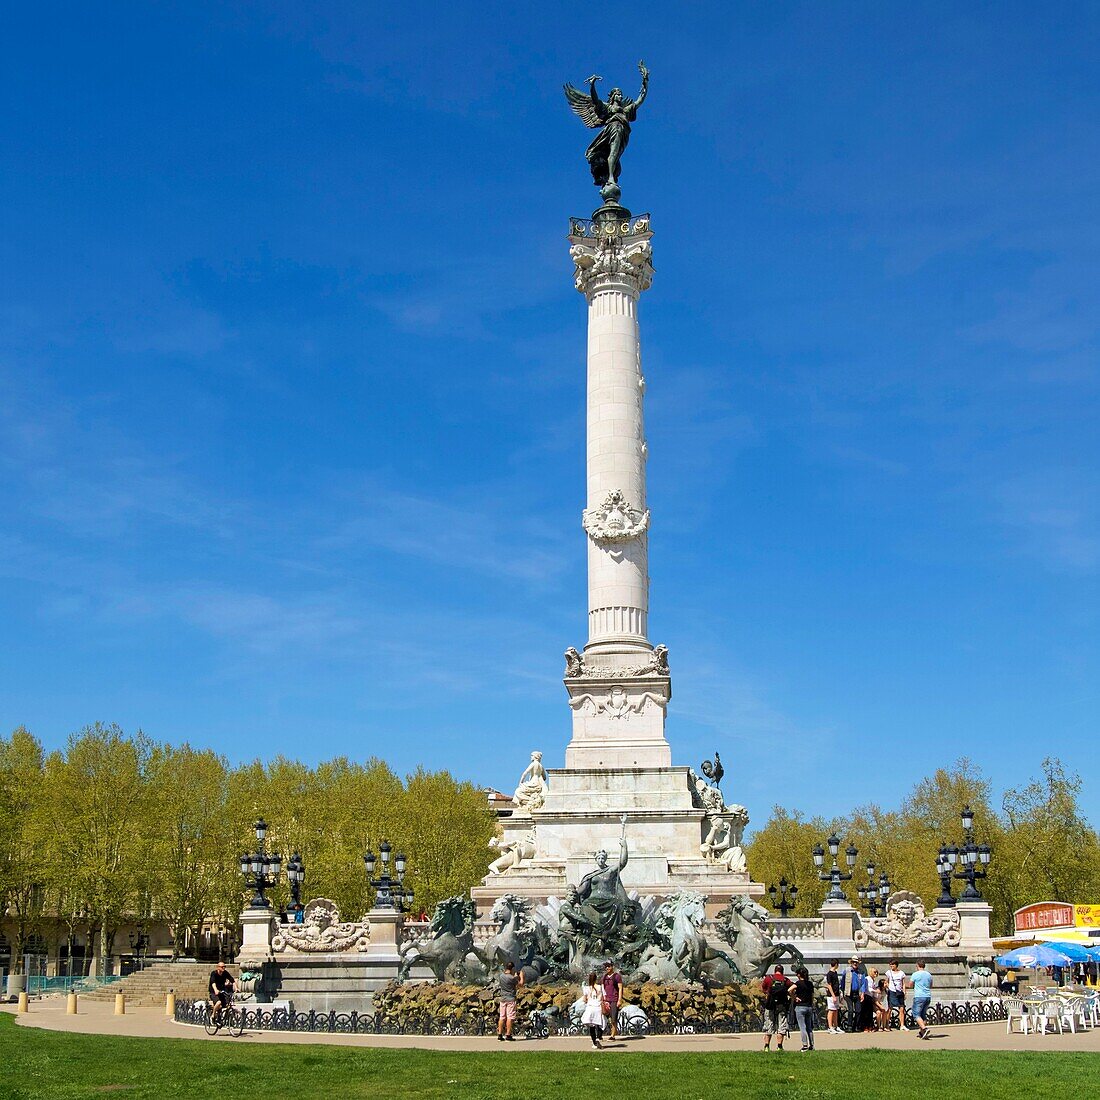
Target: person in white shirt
(895, 990)
(593, 1016)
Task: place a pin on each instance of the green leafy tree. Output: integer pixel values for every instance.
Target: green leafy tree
(446, 830)
(1048, 852)
(97, 805)
(783, 847)
(24, 863)
(191, 842)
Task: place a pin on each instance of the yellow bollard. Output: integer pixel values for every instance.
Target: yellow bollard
(70, 1005)
(170, 1005)
(120, 1004)
(24, 1003)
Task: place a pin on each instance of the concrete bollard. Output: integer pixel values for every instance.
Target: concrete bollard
(70, 1005)
(170, 1004)
(24, 1003)
(120, 1004)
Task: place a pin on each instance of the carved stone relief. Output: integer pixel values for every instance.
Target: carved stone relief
(321, 931)
(607, 258)
(617, 702)
(615, 520)
(907, 925)
(576, 667)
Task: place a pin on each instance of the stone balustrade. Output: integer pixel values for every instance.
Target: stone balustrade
(796, 929)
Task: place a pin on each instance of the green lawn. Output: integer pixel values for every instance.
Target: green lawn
(49, 1064)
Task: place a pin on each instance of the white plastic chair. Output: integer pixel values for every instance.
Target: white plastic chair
(1073, 1013)
(1018, 1011)
(1050, 1015)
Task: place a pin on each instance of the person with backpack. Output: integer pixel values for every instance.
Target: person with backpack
(777, 1007)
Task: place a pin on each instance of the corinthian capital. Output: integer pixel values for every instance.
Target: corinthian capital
(611, 260)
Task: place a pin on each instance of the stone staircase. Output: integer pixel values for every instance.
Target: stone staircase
(148, 987)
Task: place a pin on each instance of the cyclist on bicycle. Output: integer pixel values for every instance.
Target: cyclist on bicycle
(221, 987)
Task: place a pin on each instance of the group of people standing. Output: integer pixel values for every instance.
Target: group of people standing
(788, 1002)
(602, 994)
(870, 998)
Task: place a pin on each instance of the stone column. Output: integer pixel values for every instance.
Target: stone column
(611, 272)
(620, 687)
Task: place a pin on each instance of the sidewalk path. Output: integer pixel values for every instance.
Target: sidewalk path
(151, 1023)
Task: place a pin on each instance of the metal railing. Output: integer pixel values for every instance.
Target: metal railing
(540, 1025)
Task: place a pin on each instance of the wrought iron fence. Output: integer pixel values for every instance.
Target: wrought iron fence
(538, 1025)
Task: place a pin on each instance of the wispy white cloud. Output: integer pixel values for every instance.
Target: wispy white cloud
(492, 536)
(1055, 516)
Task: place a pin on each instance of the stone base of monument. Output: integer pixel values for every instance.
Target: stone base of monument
(333, 983)
(665, 826)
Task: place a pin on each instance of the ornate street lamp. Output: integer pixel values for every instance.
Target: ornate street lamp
(834, 875)
(296, 874)
(873, 895)
(944, 866)
(261, 870)
(975, 858)
(391, 894)
(139, 944)
(785, 897)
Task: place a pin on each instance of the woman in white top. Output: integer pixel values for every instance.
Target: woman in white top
(593, 1017)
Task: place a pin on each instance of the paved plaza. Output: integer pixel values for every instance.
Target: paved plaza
(149, 1023)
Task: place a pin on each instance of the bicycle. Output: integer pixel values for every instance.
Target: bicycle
(219, 1016)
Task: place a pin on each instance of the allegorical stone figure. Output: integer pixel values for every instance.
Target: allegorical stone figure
(531, 792)
(612, 118)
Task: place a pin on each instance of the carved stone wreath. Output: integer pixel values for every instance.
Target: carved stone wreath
(322, 931)
(657, 665)
(616, 520)
(907, 925)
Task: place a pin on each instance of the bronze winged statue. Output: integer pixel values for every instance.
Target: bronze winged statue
(612, 118)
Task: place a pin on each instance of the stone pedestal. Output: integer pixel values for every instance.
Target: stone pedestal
(582, 814)
(255, 937)
(974, 935)
(839, 920)
(385, 933)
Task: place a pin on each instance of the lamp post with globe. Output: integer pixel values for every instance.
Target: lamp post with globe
(835, 875)
(261, 870)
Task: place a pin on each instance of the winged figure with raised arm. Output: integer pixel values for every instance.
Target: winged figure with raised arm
(612, 118)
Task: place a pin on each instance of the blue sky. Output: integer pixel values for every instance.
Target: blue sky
(292, 381)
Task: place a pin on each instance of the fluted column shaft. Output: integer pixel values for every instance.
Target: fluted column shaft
(612, 273)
